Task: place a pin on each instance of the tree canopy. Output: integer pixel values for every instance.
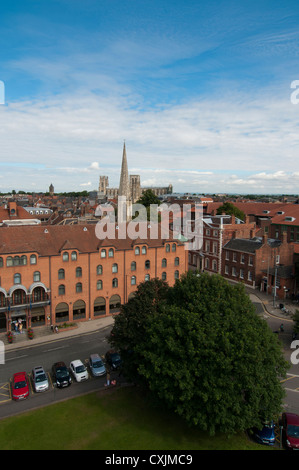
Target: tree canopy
(201, 349)
(230, 209)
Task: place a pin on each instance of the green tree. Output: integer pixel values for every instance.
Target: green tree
(202, 350)
(148, 199)
(229, 209)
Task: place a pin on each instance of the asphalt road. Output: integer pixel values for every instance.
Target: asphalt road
(80, 347)
(46, 354)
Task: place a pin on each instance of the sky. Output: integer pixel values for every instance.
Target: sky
(203, 93)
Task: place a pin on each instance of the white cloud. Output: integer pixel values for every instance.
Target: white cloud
(210, 139)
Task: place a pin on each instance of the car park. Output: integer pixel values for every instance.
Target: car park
(20, 386)
(113, 359)
(290, 428)
(96, 365)
(79, 370)
(40, 379)
(265, 435)
(61, 375)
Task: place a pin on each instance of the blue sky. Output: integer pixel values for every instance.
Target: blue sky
(199, 90)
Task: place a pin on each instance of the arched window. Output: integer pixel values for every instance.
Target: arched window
(147, 277)
(167, 248)
(214, 265)
(1, 262)
(164, 276)
(16, 261)
(147, 264)
(61, 289)
(74, 256)
(115, 268)
(133, 280)
(176, 275)
(65, 256)
(115, 282)
(78, 287)
(61, 274)
(99, 285)
(173, 247)
(103, 253)
(33, 259)
(78, 272)
(110, 253)
(177, 261)
(144, 250)
(36, 276)
(133, 266)
(9, 261)
(23, 260)
(137, 250)
(99, 269)
(17, 278)
(164, 263)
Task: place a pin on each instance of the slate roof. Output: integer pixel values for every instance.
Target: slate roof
(250, 245)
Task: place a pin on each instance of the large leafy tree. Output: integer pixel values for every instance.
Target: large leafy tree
(201, 348)
(230, 209)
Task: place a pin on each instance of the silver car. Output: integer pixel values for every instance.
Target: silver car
(40, 379)
(96, 365)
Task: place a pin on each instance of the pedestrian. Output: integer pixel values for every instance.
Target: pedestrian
(21, 327)
(281, 327)
(108, 379)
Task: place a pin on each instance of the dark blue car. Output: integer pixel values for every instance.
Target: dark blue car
(266, 435)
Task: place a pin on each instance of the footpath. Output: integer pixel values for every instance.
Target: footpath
(44, 334)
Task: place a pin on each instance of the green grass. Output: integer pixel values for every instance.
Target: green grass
(116, 420)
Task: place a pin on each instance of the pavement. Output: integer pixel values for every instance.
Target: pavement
(44, 334)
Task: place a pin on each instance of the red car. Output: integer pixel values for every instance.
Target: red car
(290, 424)
(20, 386)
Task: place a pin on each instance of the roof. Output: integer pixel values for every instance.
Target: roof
(250, 245)
(52, 239)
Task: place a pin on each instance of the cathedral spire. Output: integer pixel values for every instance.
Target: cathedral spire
(124, 191)
(124, 183)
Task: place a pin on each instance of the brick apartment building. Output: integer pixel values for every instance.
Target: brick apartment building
(260, 262)
(217, 230)
(52, 274)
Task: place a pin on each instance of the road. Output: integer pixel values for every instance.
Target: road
(80, 347)
(46, 354)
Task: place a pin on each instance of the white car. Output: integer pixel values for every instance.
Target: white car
(78, 370)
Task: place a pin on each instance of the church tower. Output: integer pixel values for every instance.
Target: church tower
(124, 192)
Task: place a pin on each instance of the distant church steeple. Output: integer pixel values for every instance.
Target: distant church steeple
(124, 191)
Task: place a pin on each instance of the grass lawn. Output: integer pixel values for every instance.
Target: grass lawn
(109, 420)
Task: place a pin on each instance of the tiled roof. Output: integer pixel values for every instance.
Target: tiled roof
(52, 239)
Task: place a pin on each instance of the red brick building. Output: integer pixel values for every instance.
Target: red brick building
(52, 274)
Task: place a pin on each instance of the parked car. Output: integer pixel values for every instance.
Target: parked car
(20, 386)
(113, 359)
(40, 379)
(96, 365)
(290, 427)
(61, 375)
(79, 370)
(266, 435)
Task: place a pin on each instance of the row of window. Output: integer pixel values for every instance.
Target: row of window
(18, 260)
(22, 260)
(242, 258)
(99, 271)
(234, 273)
(61, 288)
